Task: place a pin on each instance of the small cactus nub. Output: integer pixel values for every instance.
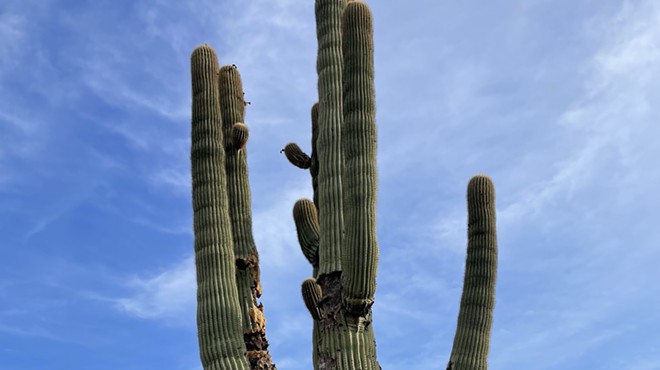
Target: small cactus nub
(240, 133)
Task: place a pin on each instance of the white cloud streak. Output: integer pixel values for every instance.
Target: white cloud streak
(169, 295)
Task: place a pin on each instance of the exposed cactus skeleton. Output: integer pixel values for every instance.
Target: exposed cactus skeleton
(336, 231)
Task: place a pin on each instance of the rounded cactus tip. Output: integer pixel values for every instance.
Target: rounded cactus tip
(304, 208)
(481, 185)
(204, 48)
(239, 135)
(229, 68)
(309, 282)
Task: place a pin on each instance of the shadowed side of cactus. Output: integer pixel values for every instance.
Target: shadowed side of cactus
(232, 108)
(475, 318)
(218, 309)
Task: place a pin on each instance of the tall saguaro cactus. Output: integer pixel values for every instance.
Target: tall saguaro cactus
(336, 230)
(231, 322)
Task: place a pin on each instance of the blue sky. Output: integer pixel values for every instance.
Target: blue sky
(553, 99)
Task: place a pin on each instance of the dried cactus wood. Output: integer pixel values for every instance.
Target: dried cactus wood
(475, 318)
(218, 310)
(232, 107)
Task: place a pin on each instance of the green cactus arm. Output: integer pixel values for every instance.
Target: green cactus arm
(360, 247)
(330, 116)
(311, 293)
(307, 228)
(475, 318)
(296, 156)
(232, 107)
(218, 310)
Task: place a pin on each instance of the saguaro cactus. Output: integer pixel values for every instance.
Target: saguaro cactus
(231, 322)
(336, 231)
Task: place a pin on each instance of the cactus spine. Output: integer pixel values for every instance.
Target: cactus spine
(336, 231)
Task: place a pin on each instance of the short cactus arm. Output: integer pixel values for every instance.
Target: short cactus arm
(311, 293)
(218, 310)
(360, 247)
(307, 228)
(475, 319)
(296, 156)
(239, 135)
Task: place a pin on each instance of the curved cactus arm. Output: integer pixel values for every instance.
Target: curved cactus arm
(307, 228)
(360, 247)
(475, 318)
(232, 107)
(311, 293)
(218, 310)
(296, 156)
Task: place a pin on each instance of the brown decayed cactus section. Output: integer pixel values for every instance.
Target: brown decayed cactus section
(475, 318)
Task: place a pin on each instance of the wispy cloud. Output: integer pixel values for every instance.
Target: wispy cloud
(176, 179)
(169, 295)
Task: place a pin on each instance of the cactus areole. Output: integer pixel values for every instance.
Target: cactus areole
(336, 230)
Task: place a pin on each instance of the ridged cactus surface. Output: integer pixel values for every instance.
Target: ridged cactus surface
(475, 319)
(218, 309)
(336, 230)
(329, 66)
(231, 323)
